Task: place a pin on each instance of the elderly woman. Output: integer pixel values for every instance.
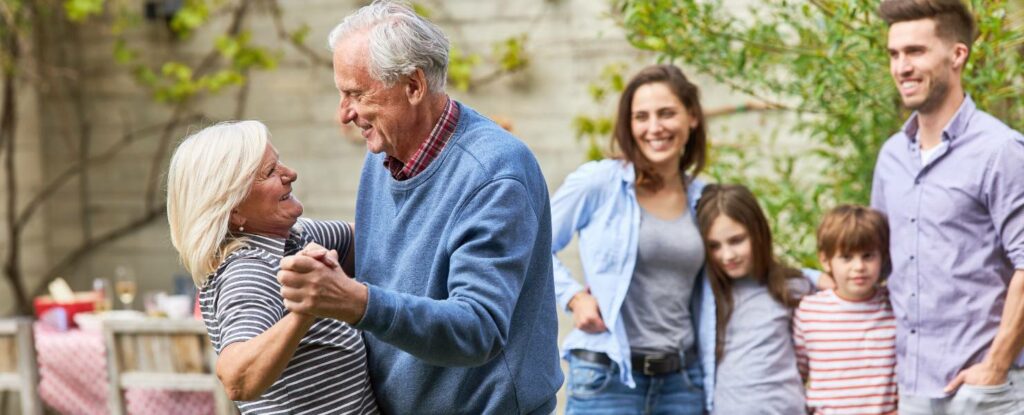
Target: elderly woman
(233, 217)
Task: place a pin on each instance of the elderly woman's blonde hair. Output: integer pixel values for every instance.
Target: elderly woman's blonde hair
(211, 172)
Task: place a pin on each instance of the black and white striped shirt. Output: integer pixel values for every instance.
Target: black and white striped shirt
(242, 299)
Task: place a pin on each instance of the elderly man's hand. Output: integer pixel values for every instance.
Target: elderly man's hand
(313, 283)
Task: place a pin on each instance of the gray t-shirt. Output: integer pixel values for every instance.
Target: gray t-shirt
(656, 311)
(758, 373)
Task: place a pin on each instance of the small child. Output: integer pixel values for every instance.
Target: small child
(755, 295)
(846, 338)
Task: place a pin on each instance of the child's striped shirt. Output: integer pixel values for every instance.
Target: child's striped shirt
(847, 351)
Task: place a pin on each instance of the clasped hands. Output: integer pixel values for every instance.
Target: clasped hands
(313, 283)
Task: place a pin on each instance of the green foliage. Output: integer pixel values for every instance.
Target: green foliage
(174, 81)
(300, 35)
(827, 60)
(79, 10)
(598, 128)
(511, 53)
(192, 15)
(460, 68)
(422, 10)
(507, 56)
(243, 55)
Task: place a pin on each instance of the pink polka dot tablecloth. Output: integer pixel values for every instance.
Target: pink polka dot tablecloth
(73, 379)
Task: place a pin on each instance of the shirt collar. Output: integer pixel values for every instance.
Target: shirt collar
(956, 126)
(430, 148)
(275, 246)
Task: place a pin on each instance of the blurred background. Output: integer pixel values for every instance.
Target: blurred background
(95, 94)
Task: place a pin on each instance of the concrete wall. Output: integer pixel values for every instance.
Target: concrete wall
(28, 160)
(569, 42)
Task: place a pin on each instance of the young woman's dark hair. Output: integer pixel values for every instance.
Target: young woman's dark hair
(695, 152)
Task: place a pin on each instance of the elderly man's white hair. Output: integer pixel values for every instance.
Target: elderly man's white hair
(399, 41)
(210, 173)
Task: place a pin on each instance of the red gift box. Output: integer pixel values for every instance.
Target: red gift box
(62, 314)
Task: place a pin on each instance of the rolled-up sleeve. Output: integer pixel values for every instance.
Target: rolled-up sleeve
(1004, 187)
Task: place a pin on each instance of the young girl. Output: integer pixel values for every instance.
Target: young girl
(755, 297)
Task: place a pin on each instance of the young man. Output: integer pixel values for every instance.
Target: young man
(951, 182)
(453, 266)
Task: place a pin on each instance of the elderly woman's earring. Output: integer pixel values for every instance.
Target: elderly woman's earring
(241, 228)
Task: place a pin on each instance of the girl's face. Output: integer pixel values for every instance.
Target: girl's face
(660, 124)
(729, 247)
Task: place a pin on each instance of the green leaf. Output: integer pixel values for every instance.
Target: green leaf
(79, 10)
(299, 36)
(122, 54)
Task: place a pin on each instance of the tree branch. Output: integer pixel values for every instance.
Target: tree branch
(282, 33)
(50, 188)
(161, 151)
(243, 96)
(749, 106)
(87, 247)
(8, 128)
(204, 66)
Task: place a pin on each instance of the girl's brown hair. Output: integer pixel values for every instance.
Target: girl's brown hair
(695, 152)
(737, 203)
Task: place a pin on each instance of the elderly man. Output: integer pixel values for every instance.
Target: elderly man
(453, 235)
(952, 184)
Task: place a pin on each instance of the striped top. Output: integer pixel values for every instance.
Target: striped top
(847, 351)
(242, 299)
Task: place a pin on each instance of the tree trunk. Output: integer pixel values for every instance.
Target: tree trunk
(8, 126)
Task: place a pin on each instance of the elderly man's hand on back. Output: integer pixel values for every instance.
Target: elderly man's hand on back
(312, 282)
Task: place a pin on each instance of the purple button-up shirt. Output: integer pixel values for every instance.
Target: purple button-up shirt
(957, 235)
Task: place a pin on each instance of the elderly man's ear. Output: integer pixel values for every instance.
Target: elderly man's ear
(416, 87)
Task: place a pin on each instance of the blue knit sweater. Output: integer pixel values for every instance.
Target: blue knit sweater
(461, 313)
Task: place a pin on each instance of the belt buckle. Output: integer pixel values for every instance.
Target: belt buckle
(647, 366)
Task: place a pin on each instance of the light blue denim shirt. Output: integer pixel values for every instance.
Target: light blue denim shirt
(598, 201)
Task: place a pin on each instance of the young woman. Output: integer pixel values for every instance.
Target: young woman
(642, 332)
(755, 297)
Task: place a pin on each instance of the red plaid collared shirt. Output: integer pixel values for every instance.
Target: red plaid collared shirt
(430, 148)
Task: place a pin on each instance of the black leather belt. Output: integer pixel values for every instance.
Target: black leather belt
(592, 357)
(648, 364)
(657, 364)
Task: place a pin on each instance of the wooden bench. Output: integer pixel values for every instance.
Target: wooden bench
(159, 353)
(18, 370)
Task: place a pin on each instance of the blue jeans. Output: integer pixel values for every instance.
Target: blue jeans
(596, 389)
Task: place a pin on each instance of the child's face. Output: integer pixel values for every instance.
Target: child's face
(855, 273)
(729, 246)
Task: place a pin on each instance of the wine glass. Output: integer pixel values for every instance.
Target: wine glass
(104, 295)
(125, 286)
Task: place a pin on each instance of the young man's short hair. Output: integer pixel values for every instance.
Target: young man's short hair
(953, 21)
(849, 229)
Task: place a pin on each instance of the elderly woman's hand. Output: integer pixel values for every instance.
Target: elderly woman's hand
(319, 253)
(320, 287)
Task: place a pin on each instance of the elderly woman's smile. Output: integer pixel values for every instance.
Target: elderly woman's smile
(270, 208)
